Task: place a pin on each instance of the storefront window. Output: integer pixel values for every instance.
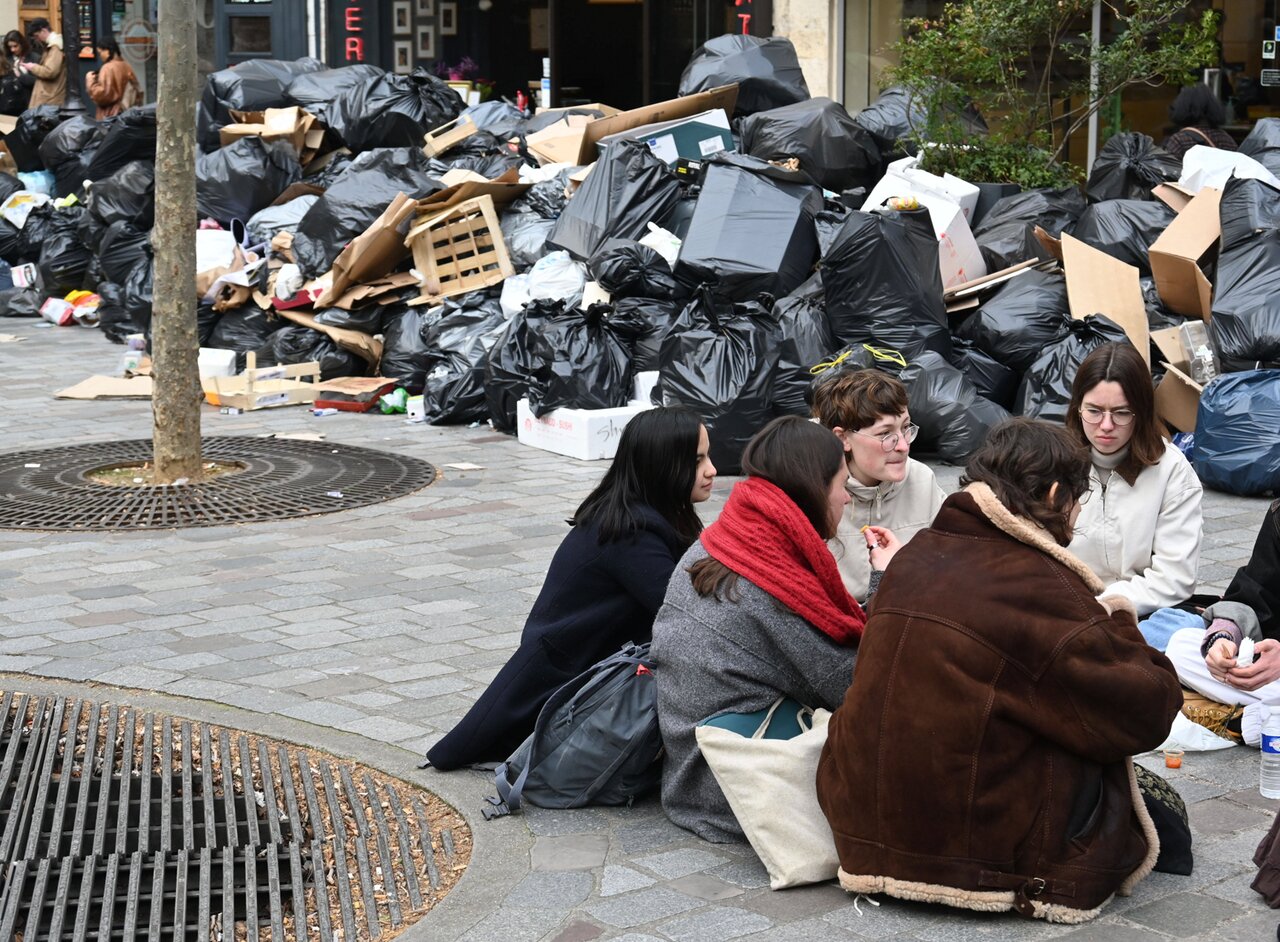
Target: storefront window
(250, 34)
(871, 27)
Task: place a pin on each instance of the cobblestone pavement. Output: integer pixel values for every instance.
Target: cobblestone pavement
(387, 621)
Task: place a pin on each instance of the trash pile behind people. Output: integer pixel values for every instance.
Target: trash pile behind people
(741, 242)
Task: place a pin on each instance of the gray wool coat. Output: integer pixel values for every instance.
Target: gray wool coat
(729, 656)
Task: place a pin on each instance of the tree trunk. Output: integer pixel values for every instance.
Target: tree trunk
(175, 344)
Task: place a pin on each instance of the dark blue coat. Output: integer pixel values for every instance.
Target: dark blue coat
(596, 598)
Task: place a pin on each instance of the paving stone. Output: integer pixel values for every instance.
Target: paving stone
(551, 890)
(1101, 932)
(1215, 818)
(1255, 927)
(679, 863)
(616, 879)
(705, 887)
(515, 925)
(714, 924)
(578, 931)
(1184, 914)
(748, 873)
(641, 907)
(800, 902)
(571, 852)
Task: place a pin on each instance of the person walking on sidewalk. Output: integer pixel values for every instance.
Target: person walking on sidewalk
(51, 71)
(114, 87)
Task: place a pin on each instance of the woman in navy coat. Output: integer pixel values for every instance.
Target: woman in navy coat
(605, 585)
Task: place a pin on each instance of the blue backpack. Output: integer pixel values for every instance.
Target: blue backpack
(596, 741)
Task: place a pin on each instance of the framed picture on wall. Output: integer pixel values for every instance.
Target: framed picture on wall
(426, 42)
(402, 56)
(423, 8)
(449, 18)
(402, 17)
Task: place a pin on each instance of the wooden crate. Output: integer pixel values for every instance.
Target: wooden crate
(459, 250)
(438, 140)
(263, 388)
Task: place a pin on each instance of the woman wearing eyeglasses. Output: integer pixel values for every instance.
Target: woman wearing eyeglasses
(867, 410)
(1141, 530)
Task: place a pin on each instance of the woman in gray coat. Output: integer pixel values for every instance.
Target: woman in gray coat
(756, 610)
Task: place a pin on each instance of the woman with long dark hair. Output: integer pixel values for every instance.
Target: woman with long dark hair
(605, 584)
(757, 610)
(1141, 531)
(981, 758)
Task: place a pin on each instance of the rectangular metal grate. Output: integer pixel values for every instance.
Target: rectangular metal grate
(116, 825)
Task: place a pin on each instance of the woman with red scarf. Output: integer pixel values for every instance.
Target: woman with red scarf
(756, 610)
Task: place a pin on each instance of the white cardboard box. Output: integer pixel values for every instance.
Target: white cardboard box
(586, 434)
(215, 362)
(642, 389)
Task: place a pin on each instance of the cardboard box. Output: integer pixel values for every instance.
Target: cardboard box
(293, 125)
(1178, 395)
(264, 388)
(723, 98)
(373, 253)
(215, 362)
(586, 434)
(694, 138)
(1184, 249)
(1100, 284)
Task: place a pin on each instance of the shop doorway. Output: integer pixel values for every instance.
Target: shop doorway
(258, 29)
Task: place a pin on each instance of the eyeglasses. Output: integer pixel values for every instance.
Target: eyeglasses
(889, 440)
(1093, 415)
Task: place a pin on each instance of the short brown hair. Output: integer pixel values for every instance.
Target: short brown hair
(1020, 460)
(1121, 363)
(800, 459)
(858, 398)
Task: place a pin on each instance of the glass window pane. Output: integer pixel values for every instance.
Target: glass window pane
(250, 34)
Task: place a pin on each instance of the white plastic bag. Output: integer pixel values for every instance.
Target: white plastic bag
(667, 244)
(1192, 737)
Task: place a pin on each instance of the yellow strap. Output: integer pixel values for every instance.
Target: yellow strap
(884, 354)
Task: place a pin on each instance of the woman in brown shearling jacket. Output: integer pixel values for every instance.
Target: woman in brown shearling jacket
(981, 757)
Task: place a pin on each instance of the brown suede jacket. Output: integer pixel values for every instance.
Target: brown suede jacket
(981, 756)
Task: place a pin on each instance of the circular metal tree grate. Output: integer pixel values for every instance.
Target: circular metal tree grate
(121, 824)
(49, 489)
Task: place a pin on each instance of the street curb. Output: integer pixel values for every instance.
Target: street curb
(499, 848)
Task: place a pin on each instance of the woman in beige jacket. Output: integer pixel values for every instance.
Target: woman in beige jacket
(114, 87)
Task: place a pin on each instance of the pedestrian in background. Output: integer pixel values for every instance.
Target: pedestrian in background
(51, 71)
(114, 87)
(16, 52)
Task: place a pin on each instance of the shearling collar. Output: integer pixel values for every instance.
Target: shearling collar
(1030, 532)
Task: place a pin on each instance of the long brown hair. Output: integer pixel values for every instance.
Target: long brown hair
(1120, 363)
(800, 459)
(1021, 460)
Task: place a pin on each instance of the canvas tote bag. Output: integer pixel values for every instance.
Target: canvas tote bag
(766, 763)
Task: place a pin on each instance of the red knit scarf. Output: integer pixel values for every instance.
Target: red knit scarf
(765, 538)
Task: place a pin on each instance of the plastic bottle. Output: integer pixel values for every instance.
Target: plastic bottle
(1269, 779)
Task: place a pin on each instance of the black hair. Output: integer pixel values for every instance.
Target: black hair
(1197, 107)
(38, 24)
(108, 43)
(656, 463)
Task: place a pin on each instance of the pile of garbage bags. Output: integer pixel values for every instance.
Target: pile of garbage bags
(769, 241)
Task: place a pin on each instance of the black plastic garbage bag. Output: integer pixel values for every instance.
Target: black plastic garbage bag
(1238, 433)
(806, 340)
(1006, 233)
(128, 195)
(720, 359)
(850, 359)
(264, 224)
(457, 346)
(509, 368)
(1158, 317)
(629, 187)
(317, 91)
(1045, 392)
(368, 320)
(244, 329)
(831, 147)
(897, 116)
(644, 323)
(752, 229)
(498, 117)
(1263, 143)
(244, 177)
(953, 418)
(64, 257)
(488, 165)
(547, 199)
(1247, 208)
(883, 284)
(20, 302)
(1245, 326)
(991, 378)
(828, 223)
(121, 249)
(628, 269)
(251, 85)
(129, 136)
(582, 363)
(355, 200)
(116, 319)
(766, 71)
(299, 344)
(31, 236)
(1129, 166)
(392, 110)
(63, 152)
(24, 141)
(1124, 229)
(404, 351)
(1024, 316)
(525, 235)
(11, 242)
(9, 185)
